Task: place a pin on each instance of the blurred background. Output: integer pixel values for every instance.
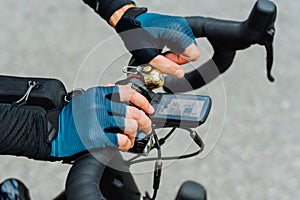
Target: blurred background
(257, 155)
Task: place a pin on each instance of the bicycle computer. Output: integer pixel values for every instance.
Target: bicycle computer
(179, 110)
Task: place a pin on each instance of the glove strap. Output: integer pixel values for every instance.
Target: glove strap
(127, 21)
(53, 115)
(135, 11)
(139, 42)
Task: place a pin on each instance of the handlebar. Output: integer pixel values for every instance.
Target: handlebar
(89, 175)
(84, 179)
(86, 173)
(226, 37)
(102, 174)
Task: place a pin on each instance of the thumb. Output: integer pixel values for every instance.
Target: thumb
(125, 142)
(167, 66)
(175, 58)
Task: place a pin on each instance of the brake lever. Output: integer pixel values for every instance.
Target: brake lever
(269, 49)
(268, 43)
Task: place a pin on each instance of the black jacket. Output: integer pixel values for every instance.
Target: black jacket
(105, 8)
(23, 132)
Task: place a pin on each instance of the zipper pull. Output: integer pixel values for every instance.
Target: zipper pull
(97, 5)
(31, 85)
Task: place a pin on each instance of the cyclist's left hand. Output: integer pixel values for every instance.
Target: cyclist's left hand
(101, 117)
(148, 33)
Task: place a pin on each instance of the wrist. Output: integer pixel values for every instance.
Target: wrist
(116, 16)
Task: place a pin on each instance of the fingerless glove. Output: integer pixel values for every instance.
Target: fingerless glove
(90, 121)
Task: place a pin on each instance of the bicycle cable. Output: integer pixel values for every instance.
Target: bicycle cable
(157, 168)
(161, 141)
(159, 159)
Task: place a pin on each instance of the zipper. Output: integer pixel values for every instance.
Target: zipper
(97, 5)
(24, 98)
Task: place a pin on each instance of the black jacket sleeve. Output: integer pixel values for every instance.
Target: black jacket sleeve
(23, 132)
(105, 8)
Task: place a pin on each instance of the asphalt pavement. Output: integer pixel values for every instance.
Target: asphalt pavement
(252, 134)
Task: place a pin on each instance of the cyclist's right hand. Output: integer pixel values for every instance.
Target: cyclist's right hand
(100, 117)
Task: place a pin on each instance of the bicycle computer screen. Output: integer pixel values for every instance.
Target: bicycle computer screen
(181, 110)
(180, 107)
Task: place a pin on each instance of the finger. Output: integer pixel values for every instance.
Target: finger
(191, 53)
(127, 94)
(176, 58)
(131, 127)
(167, 66)
(125, 143)
(109, 84)
(140, 117)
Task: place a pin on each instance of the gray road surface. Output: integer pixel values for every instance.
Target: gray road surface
(257, 156)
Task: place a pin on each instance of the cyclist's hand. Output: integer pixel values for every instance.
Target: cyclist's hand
(147, 34)
(136, 118)
(100, 117)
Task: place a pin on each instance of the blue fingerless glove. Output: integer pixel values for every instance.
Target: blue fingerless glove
(171, 31)
(90, 121)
